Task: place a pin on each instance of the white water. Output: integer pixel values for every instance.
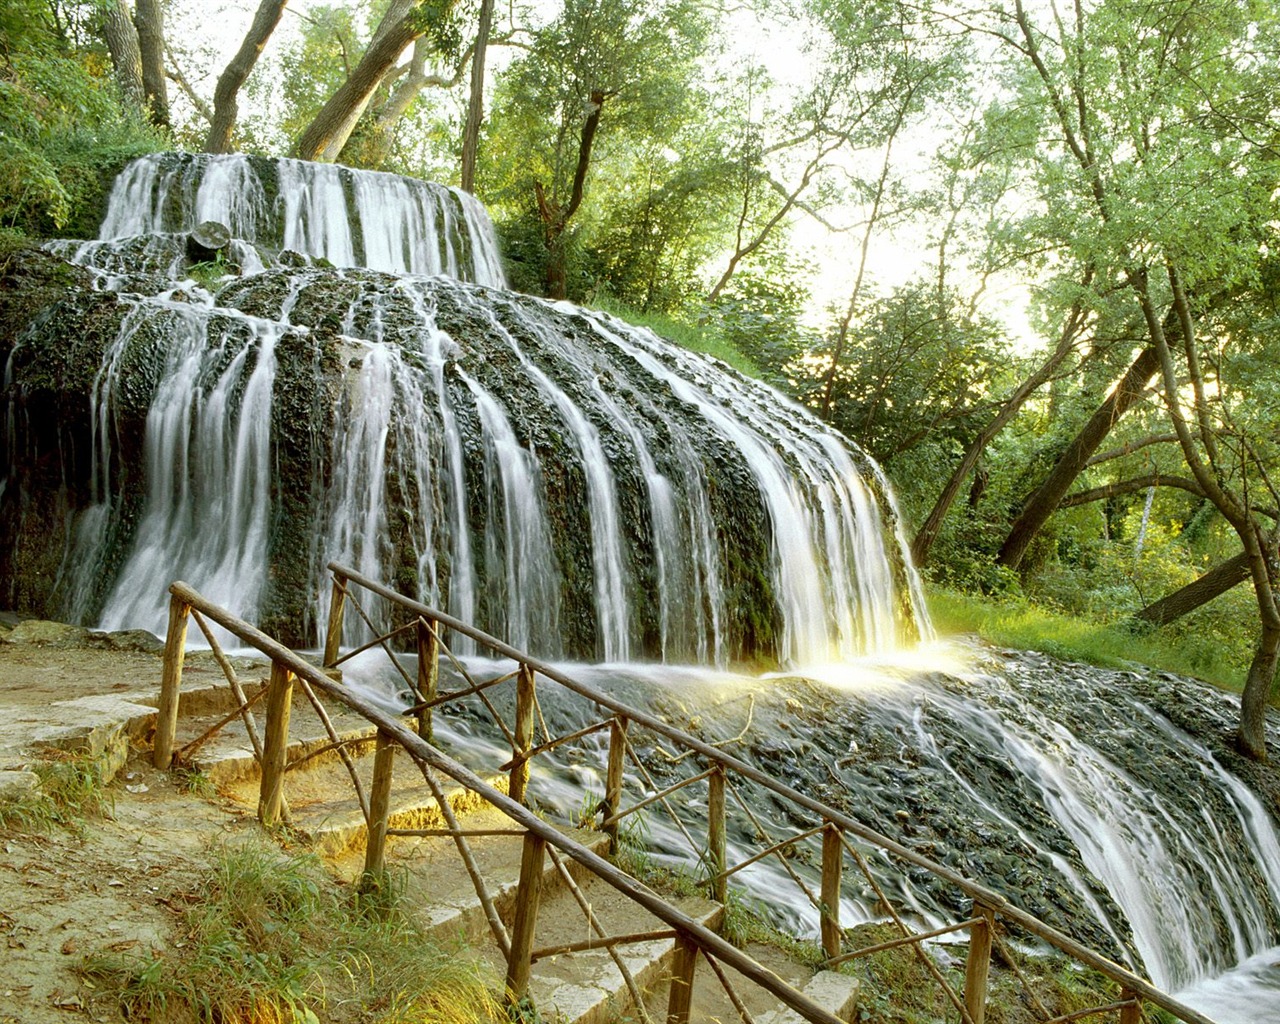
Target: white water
(420, 424)
(1195, 899)
(350, 218)
(208, 467)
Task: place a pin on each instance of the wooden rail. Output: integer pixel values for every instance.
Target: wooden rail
(693, 941)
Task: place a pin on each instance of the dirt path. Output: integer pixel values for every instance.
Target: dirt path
(113, 884)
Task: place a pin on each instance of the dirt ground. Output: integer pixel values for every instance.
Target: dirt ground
(114, 883)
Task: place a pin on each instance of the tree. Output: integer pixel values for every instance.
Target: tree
(872, 78)
(225, 104)
(916, 368)
(403, 23)
(475, 102)
(605, 73)
(149, 18)
(1156, 166)
(121, 37)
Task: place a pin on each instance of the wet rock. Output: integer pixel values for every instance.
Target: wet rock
(43, 633)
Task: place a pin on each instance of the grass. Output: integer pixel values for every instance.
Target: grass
(704, 339)
(71, 791)
(1018, 623)
(271, 939)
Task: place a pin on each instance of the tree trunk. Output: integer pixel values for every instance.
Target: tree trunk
(555, 218)
(126, 57)
(371, 145)
(1217, 581)
(225, 106)
(149, 18)
(325, 136)
(928, 532)
(1252, 737)
(1041, 505)
(475, 105)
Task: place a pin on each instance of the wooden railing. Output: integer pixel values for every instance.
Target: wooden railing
(840, 841)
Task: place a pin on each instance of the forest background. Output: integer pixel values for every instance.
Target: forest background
(1023, 251)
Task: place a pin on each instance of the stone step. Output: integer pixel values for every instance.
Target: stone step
(588, 987)
(831, 990)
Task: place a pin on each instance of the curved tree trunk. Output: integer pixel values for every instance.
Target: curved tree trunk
(928, 532)
(555, 218)
(148, 16)
(1252, 736)
(475, 105)
(370, 145)
(225, 105)
(1217, 581)
(1041, 505)
(126, 56)
(325, 136)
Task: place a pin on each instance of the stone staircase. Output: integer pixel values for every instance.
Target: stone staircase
(582, 986)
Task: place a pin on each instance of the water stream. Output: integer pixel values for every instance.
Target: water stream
(1121, 828)
(360, 387)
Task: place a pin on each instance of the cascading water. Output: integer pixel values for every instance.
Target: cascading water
(585, 490)
(350, 218)
(1124, 829)
(575, 484)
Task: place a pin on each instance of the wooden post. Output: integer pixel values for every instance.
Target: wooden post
(527, 897)
(832, 866)
(333, 634)
(1131, 1014)
(275, 744)
(716, 861)
(523, 737)
(613, 778)
(981, 936)
(375, 851)
(428, 675)
(680, 1000)
(175, 650)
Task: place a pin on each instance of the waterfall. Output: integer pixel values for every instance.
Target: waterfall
(347, 217)
(1091, 798)
(586, 490)
(573, 484)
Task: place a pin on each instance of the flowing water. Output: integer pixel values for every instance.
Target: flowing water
(572, 483)
(1065, 787)
(364, 390)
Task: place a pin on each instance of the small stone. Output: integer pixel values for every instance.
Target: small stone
(16, 784)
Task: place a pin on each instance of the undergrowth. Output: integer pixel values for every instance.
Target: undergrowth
(1018, 623)
(705, 338)
(896, 987)
(271, 939)
(71, 791)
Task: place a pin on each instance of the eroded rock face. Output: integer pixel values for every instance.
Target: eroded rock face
(572, 484)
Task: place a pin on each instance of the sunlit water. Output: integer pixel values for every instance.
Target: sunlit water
(1192, 869)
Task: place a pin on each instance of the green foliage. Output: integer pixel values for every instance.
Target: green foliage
(272, 939)
(761, 314)
(302, 77)
(637, 60)
(1014, 621)
(706, 338)
(915, 367)
(63, 130)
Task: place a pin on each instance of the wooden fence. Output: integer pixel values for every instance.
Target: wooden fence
(841, 845)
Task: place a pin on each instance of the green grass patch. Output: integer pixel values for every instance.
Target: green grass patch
(705, 338)
(271, 939)
(71, 791)
(1018, 623)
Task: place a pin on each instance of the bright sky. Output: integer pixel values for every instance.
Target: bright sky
(213, 32)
